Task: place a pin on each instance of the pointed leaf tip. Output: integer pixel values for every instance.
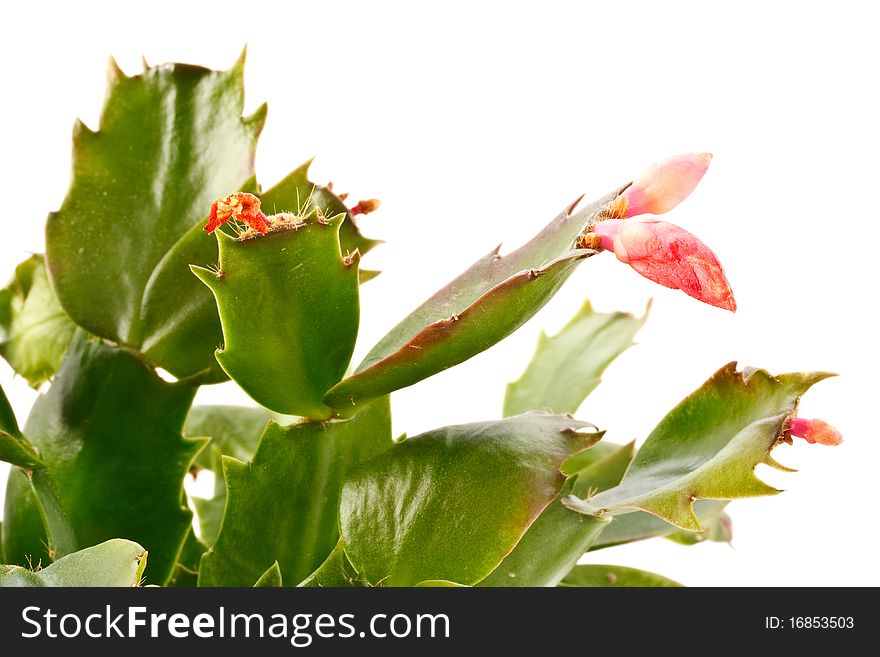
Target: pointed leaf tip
(568, 366)
(707, 447)
(130, 285)
(114, 72)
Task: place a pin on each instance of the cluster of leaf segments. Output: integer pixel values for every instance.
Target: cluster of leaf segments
(330, 499)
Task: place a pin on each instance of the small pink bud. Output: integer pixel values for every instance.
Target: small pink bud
(814, 431)
(365, 207)
(665, 184)
(669, 255)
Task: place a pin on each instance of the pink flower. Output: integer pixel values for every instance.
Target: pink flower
(815, 431)
(669, 255)
(663, 185)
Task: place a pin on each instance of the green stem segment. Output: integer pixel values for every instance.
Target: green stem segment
(288, 304)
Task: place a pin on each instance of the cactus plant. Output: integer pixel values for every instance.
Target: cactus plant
(162, 260)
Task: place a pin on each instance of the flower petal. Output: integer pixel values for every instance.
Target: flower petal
(663, 185)
(673, 257)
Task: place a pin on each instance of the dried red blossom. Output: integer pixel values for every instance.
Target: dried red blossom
(241, 206)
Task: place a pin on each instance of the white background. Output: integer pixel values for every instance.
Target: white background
(474, 123)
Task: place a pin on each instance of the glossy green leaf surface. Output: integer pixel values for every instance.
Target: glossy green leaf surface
(450, 504)
(271, 578)
(60, 534)
(335, 572)
(583, 460)
(25, 540)
(34, 329)
(38, 507)
(297, 194)
(186, 570)
(33, 509)
(195, 329)
(289, 308)
(453, 340)
(707, 447)
(641, 525)
(171, 140)
(717, 526)
(568, 366)
(234, 431)
(606, 472)
(549, 549)
(590, 575)
(14, 448)
(283, 505)
(482, 306)
(116, 562)
(558, 538)
(439, 584)
(109, 433)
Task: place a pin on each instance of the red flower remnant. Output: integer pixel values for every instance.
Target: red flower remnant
(814, 431)
(663, 185)
(365, 207)
(669, 255)
(241, 206)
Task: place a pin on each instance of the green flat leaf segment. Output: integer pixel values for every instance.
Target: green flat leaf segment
(607, 471)
(108, 432)
(34, 329)
(594, 575)
(14, 448)
(583, 460)
(487, 272)
(446, 343)
(439, 584)
(640, 526)
(289, 307)
(271, 578)
(707, 447)
(717, 525)
(559, 537)
(40, 505)
(568, 367)
(486, 303)
(116, 562)
(186, 570)
(8, 423)
(234, 431)
(450, 504)
(603, 473)
(549, 549)
(171, 140)
(335, 572)
(283, 505)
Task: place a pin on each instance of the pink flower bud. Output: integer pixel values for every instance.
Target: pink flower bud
(665, 184)
(815, 431)
(669, 255)
(365, 207)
